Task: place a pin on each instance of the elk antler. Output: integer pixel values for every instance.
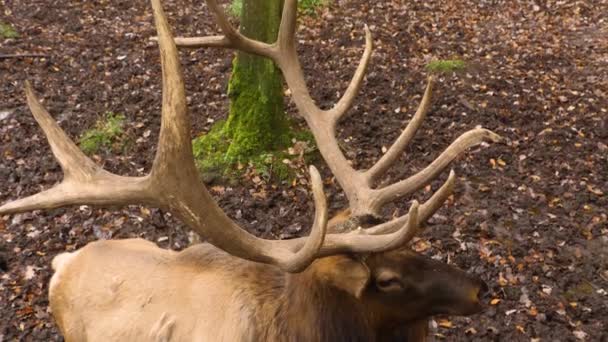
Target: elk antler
(174, 185)
(358, 186)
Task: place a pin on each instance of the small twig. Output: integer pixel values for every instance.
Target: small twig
(25, 55)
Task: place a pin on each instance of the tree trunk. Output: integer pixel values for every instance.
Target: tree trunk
(257, 121)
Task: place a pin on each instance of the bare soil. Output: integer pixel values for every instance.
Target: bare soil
(530, 216)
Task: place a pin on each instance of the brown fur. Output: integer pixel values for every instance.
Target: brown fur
(132, 290)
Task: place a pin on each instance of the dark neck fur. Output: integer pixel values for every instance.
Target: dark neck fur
(309, 310)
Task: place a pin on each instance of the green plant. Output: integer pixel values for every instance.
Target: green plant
(310, 6)
(235, 8)
(446, 65)
(7, 31)
(106, 132)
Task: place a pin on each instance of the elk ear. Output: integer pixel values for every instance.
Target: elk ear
(346, 273)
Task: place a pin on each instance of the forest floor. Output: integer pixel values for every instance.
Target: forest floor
(528, 216)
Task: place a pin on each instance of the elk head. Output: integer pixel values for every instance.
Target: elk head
(430, 287)
(395, 290)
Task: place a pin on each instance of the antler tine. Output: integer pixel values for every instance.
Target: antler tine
(284, 54)
(346, 102)
(287, 29)
(428, 209)
(174, 153)
(395, 151)
(411, 229)
(97, 191)
(360, 241)
(397, 190)
(223, 22)
(84, 182)
(231, 39)
(198, 42)
(73, 162)
(314, 242)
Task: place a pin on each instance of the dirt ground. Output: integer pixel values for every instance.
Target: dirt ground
(529, 216)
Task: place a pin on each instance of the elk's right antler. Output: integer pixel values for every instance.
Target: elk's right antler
(174, 184)
(364, 198)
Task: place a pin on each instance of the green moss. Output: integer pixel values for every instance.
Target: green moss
(235, 8)
(107, 132)
(210, 149)
(271, 165)
(446, 65)
(309, 7)
(257, 121)
(579, 291)
(7, 31)
(305, 136)
(211, 152)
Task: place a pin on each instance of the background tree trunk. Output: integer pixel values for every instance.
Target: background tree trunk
(257, 120)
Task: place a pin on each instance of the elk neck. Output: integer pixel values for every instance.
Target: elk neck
(304, 307)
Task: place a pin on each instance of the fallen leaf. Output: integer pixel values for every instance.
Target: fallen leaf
(581, 335)
(30, 272)
(595, 191)
(444, 323)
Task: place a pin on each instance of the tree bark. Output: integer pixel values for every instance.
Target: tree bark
(257, 120)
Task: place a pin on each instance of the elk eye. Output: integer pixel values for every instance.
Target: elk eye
(389, 284)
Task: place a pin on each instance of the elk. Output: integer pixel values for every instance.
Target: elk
(341, 283)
